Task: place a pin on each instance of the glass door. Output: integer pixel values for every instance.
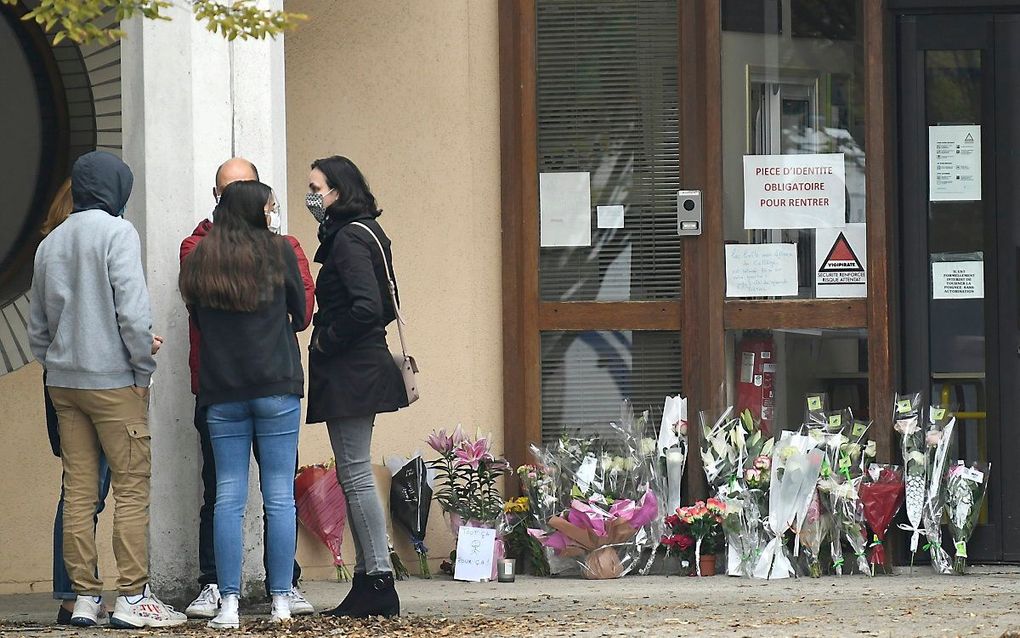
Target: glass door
(960, 253)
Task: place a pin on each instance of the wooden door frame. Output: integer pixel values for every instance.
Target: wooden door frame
(703, 315)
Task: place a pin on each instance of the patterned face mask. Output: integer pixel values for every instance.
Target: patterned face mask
(316, 204)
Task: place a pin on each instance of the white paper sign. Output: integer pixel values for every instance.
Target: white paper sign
(475, 548)
(958, 279)
(610, 216)
(954, 163)
(841, 262)
(794, 191)
(564, 201)
(761, 270)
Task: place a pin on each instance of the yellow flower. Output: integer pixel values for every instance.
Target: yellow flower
(517, 505)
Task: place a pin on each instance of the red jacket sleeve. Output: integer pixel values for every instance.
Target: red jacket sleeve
(306, 277)
(188, 245)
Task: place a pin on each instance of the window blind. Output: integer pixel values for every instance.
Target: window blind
(587, 375)
(607, 104)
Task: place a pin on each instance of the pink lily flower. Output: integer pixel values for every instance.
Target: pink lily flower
(440, 442)
(458, 437)
(472, 454)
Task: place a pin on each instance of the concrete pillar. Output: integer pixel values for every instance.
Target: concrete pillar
(190, 101)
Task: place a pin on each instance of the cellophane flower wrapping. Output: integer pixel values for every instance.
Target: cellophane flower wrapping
(796, 463)
(744, 527)
(813, 533)
(882, 495)
(907, 424)
(322, 509)
(730, 443)
(672, 448)
(939, 437)
(966, 487)
(600, 539)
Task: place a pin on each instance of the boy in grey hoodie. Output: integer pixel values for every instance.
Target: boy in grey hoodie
(90, 327)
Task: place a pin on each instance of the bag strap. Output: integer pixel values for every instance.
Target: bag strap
(392, 285)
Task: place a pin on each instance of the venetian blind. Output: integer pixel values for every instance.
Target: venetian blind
(586, 376)
(607, 104)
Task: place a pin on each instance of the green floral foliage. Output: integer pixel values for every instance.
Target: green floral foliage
(76, 19)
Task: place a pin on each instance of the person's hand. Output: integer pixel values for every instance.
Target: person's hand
(157, 341)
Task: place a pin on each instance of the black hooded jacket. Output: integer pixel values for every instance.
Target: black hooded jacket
(351, 372)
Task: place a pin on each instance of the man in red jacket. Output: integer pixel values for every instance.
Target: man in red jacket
(206, 605)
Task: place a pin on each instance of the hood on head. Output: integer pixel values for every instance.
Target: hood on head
(102, 181)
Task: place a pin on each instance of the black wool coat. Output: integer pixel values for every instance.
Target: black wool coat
(351, 372)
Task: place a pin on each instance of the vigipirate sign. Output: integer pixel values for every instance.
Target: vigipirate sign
(794, 191)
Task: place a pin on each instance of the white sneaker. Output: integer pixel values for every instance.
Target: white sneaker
(228, 617)
(299, 605)
(281, 607)
(86, 611)
(206, 605)
(144, 610)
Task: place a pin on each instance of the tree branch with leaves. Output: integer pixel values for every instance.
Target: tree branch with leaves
(77, 20)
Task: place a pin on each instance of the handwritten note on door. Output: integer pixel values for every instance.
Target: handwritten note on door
(761, 270)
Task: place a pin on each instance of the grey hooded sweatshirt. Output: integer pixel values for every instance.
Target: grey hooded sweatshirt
(90, 324)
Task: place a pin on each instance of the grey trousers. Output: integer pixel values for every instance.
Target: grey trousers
(351, 439)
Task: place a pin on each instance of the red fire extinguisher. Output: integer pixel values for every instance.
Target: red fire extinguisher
(756, 372)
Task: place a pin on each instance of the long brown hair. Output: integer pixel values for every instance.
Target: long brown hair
(59, 209)
(239, 265)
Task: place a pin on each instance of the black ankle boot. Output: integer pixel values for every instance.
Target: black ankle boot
(357, 585)
(377, 597)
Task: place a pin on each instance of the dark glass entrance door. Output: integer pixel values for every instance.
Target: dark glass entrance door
(959, 104)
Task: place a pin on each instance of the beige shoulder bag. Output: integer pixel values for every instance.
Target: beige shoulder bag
(405, 362)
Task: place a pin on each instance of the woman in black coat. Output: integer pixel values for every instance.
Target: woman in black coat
(351, 373)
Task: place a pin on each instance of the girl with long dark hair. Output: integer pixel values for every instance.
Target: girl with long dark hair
(244, 291)
(351, 374)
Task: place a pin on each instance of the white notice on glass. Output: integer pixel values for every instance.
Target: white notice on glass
(761, 270)
(564, 201)
(610, 216)
(841, 262)
(794, 191)
(954, 163)
(958, 279)
(475, 547)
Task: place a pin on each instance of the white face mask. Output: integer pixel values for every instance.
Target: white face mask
(273, 221)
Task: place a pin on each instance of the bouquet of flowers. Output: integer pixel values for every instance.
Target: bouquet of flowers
(322, 509)
(588, 530)
(881, 498)
(672, 447)
(813, 533)
(907, 415)
(528, 512)
(466, 474)
(703, 520)
(966, 487)
(796, 464)
(938, 439)
(729, 444)
(411, 500)
(744, 527)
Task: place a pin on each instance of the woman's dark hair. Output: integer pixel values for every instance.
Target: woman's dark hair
(239, 264)
(353, 194)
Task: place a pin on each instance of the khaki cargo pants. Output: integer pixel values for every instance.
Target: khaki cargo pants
(116, 422)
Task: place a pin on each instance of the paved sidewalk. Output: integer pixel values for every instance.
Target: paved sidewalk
(985, 603)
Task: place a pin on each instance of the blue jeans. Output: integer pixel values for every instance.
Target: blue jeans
(274, 421)
(62, 589)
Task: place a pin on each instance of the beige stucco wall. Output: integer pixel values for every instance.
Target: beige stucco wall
(409, 91)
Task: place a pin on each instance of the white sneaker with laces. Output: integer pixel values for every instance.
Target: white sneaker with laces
(299, 605)
(86, 611)
(144, 610)
(228, 617)
(206, 604)
(281, 608)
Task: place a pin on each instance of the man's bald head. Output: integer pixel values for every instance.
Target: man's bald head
(235, 169)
